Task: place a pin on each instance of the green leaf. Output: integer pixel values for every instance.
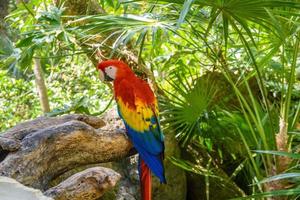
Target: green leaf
(279, 177)
(25, 42)
(26, 58)
(274, 193)
(186, 7)
(279, 153)
(110, 3)
(225, 30)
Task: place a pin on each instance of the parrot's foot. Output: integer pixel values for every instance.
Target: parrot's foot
(122, 131)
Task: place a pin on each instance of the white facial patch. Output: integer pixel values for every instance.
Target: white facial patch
(111, 71)
(101, 75)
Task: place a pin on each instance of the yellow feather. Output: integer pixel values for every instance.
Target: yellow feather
(136, 119)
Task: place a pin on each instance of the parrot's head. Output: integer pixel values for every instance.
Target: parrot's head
(111, 70)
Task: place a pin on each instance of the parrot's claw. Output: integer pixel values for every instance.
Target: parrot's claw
(122, 131)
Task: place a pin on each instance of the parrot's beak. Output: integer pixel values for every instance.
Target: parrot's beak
(101, 75)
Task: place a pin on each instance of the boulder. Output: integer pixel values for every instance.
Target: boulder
(11, 189)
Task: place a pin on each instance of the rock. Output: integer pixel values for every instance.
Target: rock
(10, 140)
(10, 189)
(196, 185)
(49, 152)
(89, 184)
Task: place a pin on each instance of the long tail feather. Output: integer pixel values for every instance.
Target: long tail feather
(145, 180)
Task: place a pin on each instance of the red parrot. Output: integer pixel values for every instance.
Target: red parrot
(137, 106)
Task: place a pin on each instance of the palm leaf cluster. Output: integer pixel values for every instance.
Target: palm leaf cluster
(235, 117)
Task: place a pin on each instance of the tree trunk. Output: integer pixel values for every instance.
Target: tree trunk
(3, 8)
(3, 13)
(283, 161)
(41, 86)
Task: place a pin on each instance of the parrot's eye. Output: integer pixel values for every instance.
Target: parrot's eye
(111, 72)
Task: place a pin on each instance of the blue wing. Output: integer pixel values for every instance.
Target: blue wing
(143, 129)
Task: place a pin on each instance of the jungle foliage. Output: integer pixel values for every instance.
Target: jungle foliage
(227, 74)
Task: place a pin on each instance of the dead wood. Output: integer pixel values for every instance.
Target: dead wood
(42, 149)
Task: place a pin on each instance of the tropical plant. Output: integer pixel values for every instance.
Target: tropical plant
(225, 70)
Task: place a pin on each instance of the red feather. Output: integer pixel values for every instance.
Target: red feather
(145, 177)
(124, 88)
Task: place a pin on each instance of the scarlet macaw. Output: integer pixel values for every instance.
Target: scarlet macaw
(137, 106)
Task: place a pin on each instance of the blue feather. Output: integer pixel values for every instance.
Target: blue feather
(149, 150)
(150, 146)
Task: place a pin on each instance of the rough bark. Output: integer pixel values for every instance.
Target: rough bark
(283, 162)
(41, 86)
(45, 148)
(3, 8)
(282, 145)
(11, 139)
(88, 185)
(3, 13)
